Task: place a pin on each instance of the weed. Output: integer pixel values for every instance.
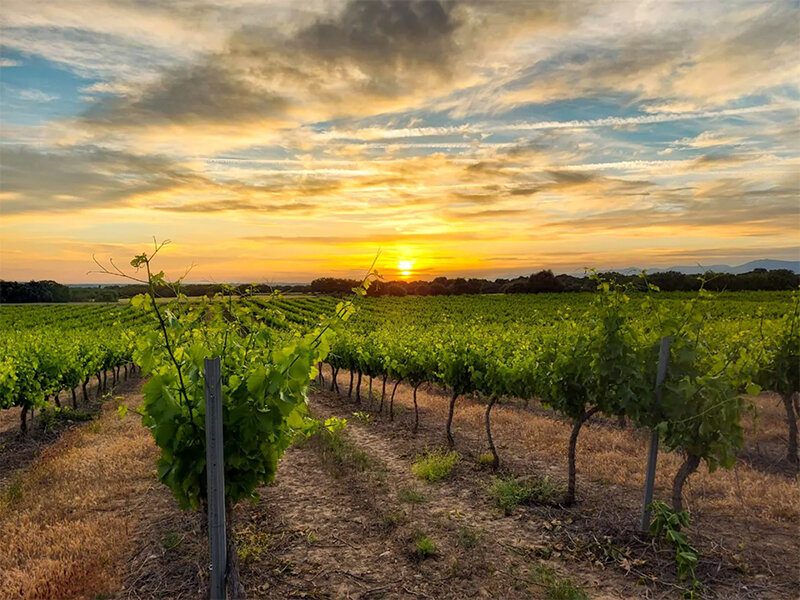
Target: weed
(424, 546)
(557, 587)
(93, 427)
(171, 541)
(410, 496)
(508, 492)
(51, 416)
(251, 544)
(487, 458)
(340, 452)
(392, 518)
(13, 491)
(434, 466)
(467, 537)
(363, 417)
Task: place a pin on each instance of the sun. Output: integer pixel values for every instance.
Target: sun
(405, 267)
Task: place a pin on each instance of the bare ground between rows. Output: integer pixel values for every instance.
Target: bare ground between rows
(743, 556)
(330, 532)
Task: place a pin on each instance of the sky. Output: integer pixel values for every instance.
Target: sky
(282, 140)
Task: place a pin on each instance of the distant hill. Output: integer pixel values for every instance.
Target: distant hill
(764, 263)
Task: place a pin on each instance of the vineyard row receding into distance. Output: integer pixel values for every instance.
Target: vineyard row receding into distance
(579, 355)
(517, 347)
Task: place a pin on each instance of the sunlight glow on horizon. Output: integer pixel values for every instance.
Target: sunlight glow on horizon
(556, 135)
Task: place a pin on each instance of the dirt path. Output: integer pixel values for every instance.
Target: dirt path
(745, 520)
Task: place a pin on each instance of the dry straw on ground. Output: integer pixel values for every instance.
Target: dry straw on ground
(65, 535)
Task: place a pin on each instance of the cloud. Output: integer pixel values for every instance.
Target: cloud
(728, 207)
(677, 64)
(36, 96)
(372, 51)
(86, 177)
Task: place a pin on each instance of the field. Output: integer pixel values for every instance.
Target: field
(412, 498)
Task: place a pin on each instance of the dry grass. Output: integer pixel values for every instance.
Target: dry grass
(608, 455)
(612, 456)
(67, 533)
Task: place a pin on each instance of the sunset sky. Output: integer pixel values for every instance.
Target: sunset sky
(278, 141)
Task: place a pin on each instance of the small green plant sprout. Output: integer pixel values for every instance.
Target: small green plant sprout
(667, 523)
(434, 465)
(363, 417)
(424, 546)
(122, 410)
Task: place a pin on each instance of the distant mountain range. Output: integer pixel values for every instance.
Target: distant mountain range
(764, 263)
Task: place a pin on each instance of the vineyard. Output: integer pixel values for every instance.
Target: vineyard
(575, 360)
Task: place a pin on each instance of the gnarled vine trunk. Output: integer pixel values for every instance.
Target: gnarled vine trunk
(358, 389)
(350, 389)
(495, 457)
(450, 441)
(391, 400)
(791, 420)
(83, 387)
(383, 394)
(74, 399)
(688, 467)
(416, 410)
(369, 400)
(573, 444)
(334, 374)
(23, 421)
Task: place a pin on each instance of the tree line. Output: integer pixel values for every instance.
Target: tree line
(546, 282)
(541, 282)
